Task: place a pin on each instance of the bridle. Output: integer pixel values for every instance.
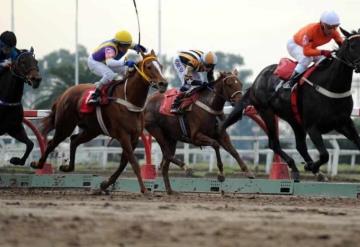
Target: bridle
(355, 65)
(142, 72)
(24, 75)
(232, 96)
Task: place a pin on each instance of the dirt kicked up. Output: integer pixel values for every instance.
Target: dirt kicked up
(77, 218)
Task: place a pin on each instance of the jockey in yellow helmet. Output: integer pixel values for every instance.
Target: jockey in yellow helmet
(194, 68)
(108, 60)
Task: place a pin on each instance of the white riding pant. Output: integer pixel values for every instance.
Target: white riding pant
(106, 73)
(297, 52)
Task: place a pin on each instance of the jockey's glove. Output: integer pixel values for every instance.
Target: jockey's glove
(130, 63)
(6, 63)
(325, 53)
(140, 48)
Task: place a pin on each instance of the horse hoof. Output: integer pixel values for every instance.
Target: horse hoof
(220, 178)
(35, 165)
(146, 193)
(16, 161)
(189, 172)
(104, 185)
(295, 176)
(308, 167)
(321, 177)
(172, 193)
(250, 175)
(66, 168)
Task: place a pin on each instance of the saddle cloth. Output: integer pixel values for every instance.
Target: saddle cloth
(104, 100)
(169, 97)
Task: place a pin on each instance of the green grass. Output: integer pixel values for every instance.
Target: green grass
(200, 170)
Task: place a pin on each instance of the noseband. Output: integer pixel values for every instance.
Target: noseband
(355, 65)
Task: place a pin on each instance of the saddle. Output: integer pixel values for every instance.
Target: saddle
(169, 97)
(106, 92)
(284, 71)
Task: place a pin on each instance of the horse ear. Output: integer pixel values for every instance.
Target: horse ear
(235, 72)
(152, 52)
(31, 49)
(346, 33)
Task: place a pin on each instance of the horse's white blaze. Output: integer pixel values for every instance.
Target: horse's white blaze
(157, 65)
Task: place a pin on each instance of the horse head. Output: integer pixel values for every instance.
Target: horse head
(229, 86)
(26, 67)
(350, 49)
(151, 70)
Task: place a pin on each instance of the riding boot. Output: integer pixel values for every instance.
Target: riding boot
(292, 81)
(95, 97)
(175, 107)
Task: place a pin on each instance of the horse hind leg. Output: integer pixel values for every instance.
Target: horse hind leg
(20, 135)
(75, 141)
(62, 131)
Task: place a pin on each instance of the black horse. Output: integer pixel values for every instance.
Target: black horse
(24, 69)
(323, 107)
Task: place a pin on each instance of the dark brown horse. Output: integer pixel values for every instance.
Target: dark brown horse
(23, 70)
(123, 117)
(201, 123)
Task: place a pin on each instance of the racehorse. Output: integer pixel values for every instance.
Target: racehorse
(23, 70)
(324, 104)
(122, 117)
(201, 124)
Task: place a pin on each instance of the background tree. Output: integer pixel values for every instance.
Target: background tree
(58, 72)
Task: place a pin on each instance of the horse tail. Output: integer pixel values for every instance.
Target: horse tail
(48, 123)
(237, 112)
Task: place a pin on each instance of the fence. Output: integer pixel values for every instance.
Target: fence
(98, 152)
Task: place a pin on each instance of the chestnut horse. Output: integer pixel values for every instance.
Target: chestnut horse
(24, 70)
(123, 117)
(201, 124)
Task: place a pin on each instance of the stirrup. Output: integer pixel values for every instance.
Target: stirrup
(94, 101)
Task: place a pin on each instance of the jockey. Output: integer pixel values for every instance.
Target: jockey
(8, 52)
(106, 61)
(303, 46)
(191, 67)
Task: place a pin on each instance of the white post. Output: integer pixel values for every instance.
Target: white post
(353, 158)
(159, 27)
(335, 161)
(12, 16)
(76, 44)
(186, 153)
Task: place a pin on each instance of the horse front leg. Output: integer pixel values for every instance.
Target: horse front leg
(268, 117)
(225, 142)
(20, 135)
(300, 138)
(201, 139)
(350, 132)
(316, 138)
(126, 145)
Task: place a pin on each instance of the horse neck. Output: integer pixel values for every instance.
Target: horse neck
(12, 87)
(213, 99)
(337, 77)
(136, 90)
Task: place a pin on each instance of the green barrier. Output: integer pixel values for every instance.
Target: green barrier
(191, 185)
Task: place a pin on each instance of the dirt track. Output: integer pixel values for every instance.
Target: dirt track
(75, 218)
